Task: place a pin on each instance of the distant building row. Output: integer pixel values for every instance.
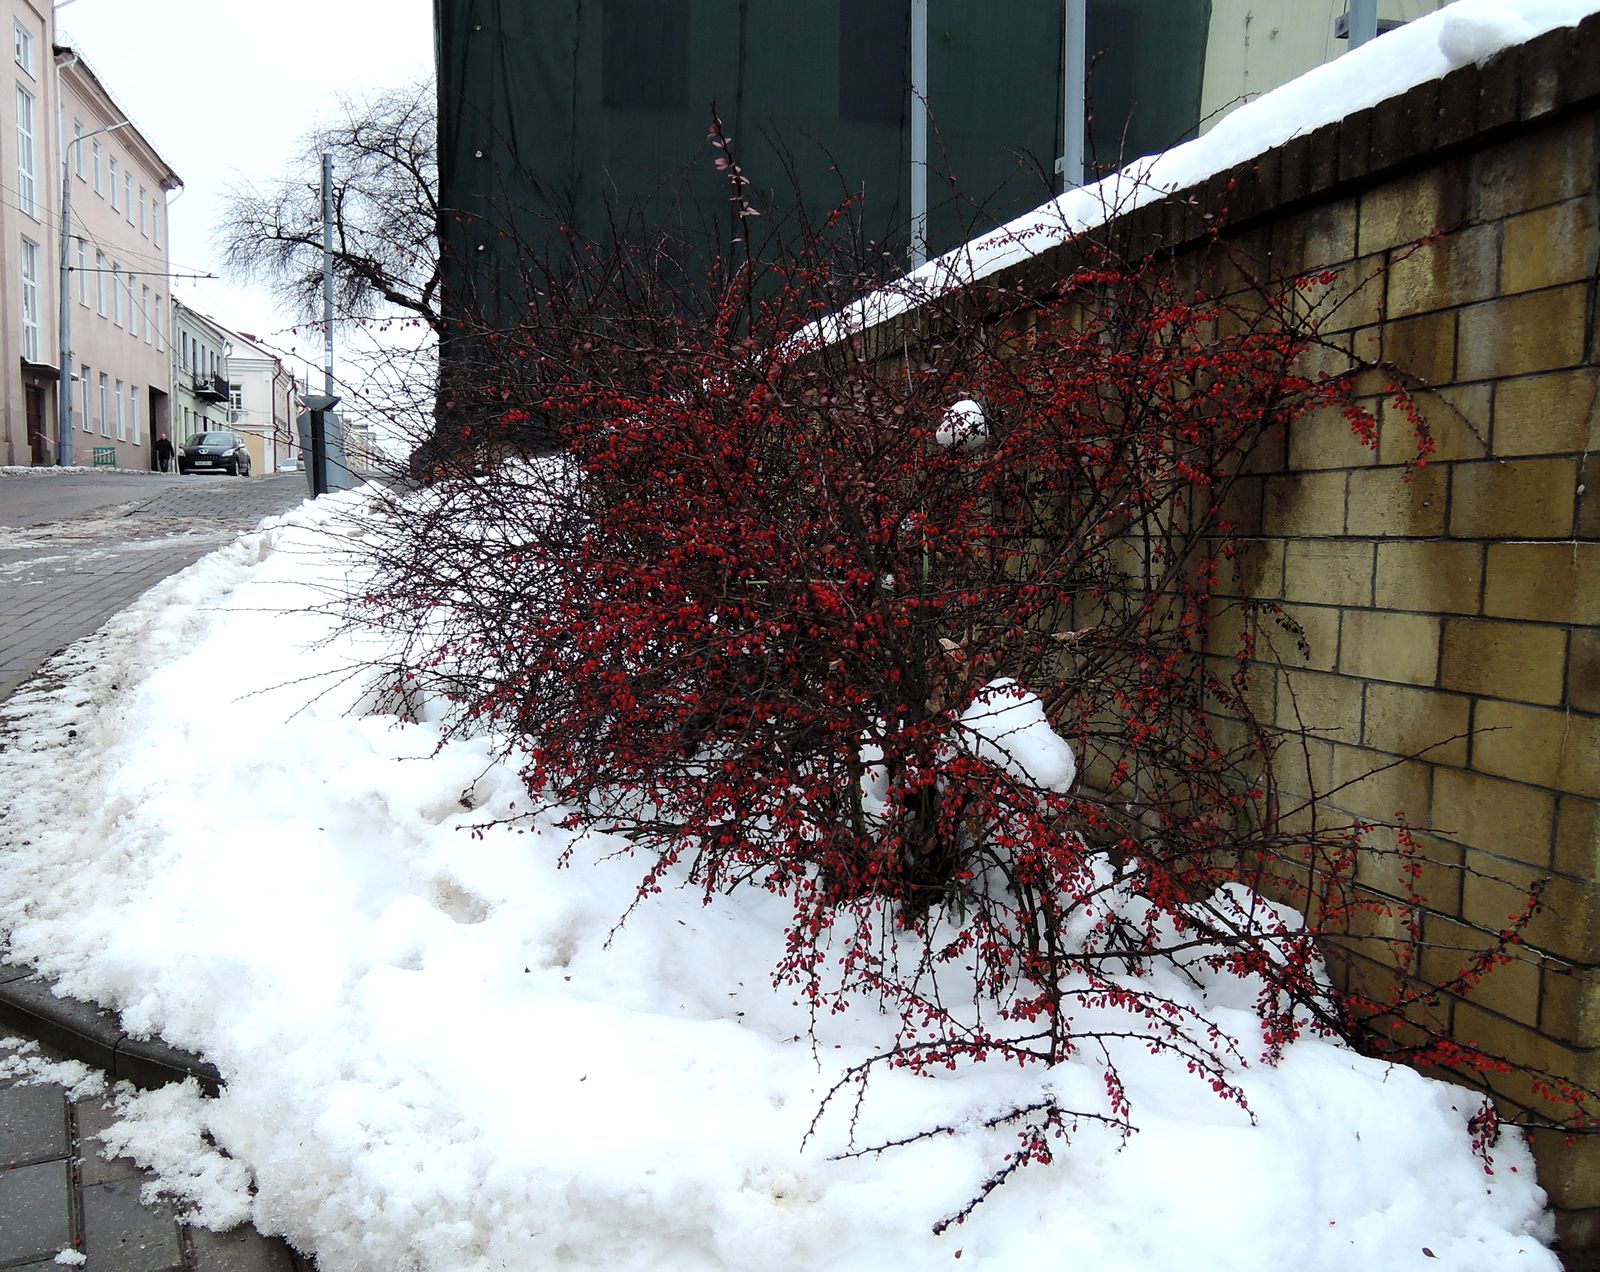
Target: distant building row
(97, 357)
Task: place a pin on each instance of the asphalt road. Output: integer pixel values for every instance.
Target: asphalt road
(36, 499)
(77, 547)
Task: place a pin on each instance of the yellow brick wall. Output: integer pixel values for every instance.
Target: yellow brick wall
(1453, 618)
(1450, 667)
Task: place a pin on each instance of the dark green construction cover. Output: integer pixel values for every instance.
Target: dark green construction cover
(578, 109)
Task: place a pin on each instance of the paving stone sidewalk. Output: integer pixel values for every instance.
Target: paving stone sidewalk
(59, 1198)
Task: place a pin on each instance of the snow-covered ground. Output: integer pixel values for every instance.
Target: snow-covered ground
(438, 1057)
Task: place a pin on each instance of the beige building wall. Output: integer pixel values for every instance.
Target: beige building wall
(115, 257)
(29, 356)
(1253, 46)
(263, 409)
(118, 280)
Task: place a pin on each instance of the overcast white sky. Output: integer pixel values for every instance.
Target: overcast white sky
(224, 91)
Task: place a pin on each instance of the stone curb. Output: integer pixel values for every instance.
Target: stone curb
(84, 1032)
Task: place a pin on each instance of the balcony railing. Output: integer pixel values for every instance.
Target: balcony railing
(210, 388)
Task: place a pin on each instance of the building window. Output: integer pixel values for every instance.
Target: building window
(644, 54)
(30, 300)
(133, 411)
(77, 149)
(122, 426)
(83, 393)
(100, 283)
(235, 403)
(127, 195)
(116, 294)
(183, 350)
(99, 178)
(161, 328)
(155, 223)
(144, 212)
(115, 206)
(144, 314)
(105, 405)
(83, 272)
(22, 46)
(26, 197)
(874, 61)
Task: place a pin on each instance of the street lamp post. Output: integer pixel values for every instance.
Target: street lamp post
(64, 398)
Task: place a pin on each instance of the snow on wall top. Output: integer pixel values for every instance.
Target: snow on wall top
(1426, 49)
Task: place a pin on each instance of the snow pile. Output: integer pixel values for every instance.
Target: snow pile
(1006, 726)
(438, 1056)
(166, 1130)
(22, 1064)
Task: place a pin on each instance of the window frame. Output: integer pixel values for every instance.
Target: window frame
(83, 383)
(115, 170)
(30, 268)
(116, 293)
(22, 47)
(105, 404)
(27, 154)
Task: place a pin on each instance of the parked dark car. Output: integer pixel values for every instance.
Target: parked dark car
(210, 452)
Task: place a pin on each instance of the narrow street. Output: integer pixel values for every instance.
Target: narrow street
(76, 548)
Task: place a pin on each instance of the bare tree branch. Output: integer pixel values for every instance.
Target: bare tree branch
(385, 212)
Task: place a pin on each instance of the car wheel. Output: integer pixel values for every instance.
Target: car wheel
(233, 468)
(182, 471)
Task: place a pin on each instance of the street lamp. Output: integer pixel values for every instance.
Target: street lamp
(64, 398)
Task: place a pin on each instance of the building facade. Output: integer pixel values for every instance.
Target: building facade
(85, 381)
(117, 268)
(263, 401)
(201, 398)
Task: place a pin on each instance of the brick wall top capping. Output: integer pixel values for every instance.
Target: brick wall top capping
(1520, 87)
(1554, 72)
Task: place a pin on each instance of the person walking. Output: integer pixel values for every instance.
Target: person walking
(164, 453)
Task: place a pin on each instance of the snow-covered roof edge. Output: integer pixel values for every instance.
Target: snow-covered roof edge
(1437, 56)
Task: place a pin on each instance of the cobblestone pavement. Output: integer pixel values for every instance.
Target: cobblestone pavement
(57, 1193)
(60, 579)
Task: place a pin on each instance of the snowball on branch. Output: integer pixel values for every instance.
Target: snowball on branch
(963, 428)
(1006, 726)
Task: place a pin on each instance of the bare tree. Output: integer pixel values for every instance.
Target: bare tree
(385, 212)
